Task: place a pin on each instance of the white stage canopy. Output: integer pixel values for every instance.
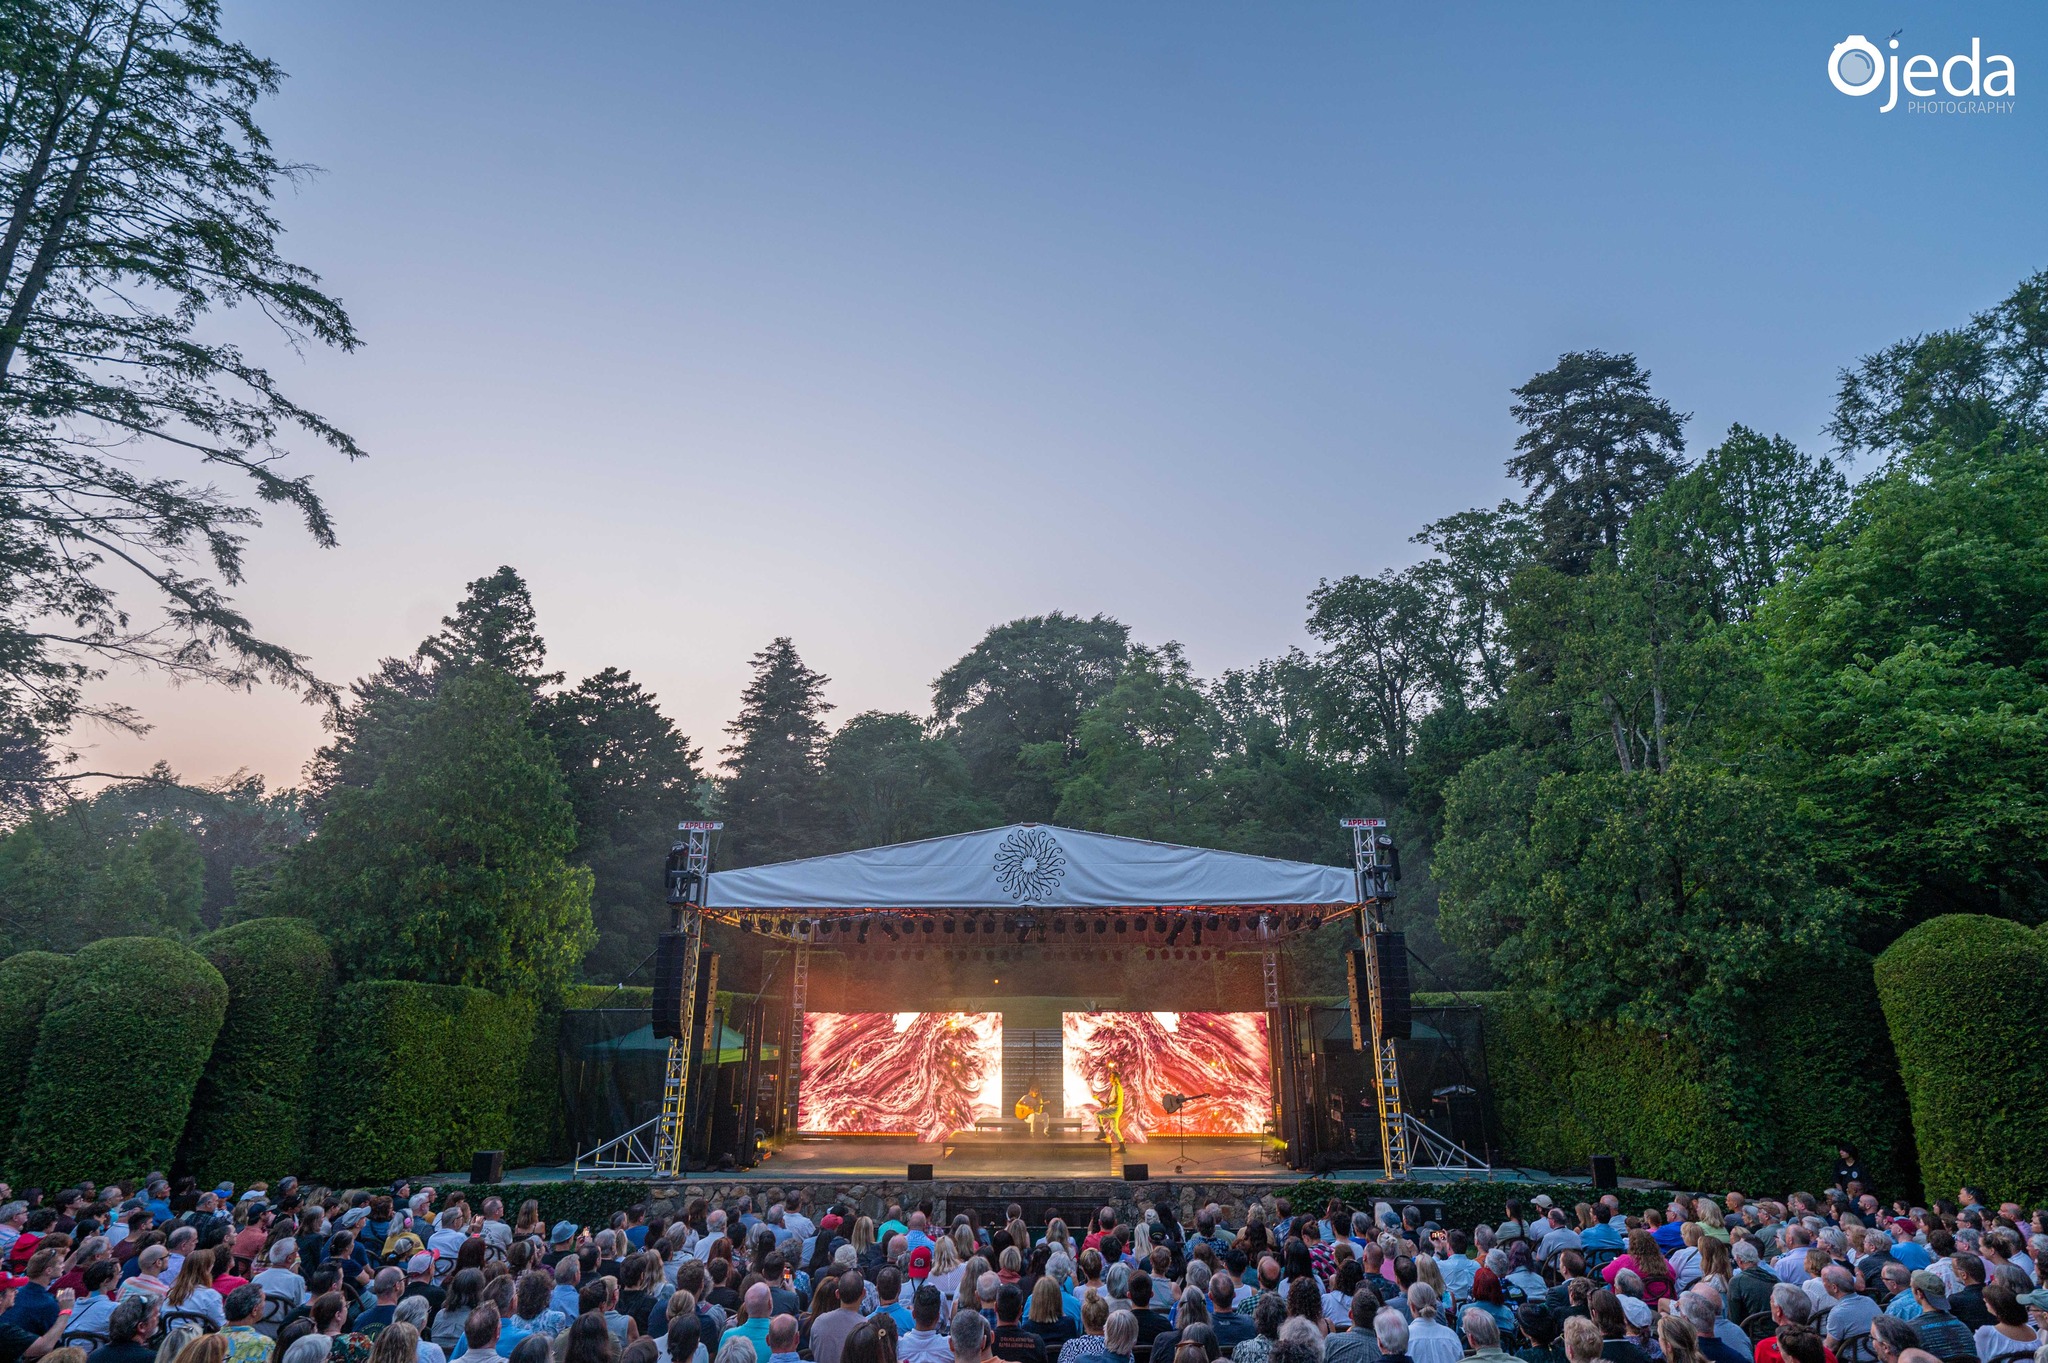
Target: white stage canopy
(1030, 865)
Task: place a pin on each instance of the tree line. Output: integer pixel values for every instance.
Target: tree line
(1653, 733)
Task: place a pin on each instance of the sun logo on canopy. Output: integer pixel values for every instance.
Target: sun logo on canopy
(1029, 864)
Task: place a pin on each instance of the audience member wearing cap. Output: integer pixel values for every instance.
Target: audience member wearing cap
(17, 1340)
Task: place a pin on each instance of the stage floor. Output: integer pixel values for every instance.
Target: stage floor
(990, 1155)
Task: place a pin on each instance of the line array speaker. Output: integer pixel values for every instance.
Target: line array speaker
(1390, 949)
(669, 979)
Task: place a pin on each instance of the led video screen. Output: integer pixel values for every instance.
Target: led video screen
(930, 1074)
(1218, 1061)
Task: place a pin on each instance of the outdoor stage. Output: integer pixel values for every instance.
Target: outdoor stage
(989, 1155)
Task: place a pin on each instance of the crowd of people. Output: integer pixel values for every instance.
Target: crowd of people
(295, 1274)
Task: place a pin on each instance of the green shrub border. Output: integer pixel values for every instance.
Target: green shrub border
(415, 1076)
(1976, 1072)
(122, 1044)
(26, 981)
(251, 1114)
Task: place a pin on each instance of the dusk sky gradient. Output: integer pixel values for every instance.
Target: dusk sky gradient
(877, 324)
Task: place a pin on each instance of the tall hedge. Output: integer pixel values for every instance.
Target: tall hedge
(415, 1078)
(1960, 995)
(118, 1057)
(250, 1118)
(25, 983)
(1816, 1067)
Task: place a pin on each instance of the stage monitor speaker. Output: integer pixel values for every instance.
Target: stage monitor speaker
(1390, 949)
(919, 1173)
(1605, 1173)
(487, 1166)
(669, 981)
(1137, 1173)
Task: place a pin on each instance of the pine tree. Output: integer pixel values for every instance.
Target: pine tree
(1596, 447)
(773, 802)
(494, 627)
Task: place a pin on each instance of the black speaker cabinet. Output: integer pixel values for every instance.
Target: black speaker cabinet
(1137, 1173)
(919, 1173)
(669, 982)
(487, 1166)
(1390, 949)
(1605, 1172)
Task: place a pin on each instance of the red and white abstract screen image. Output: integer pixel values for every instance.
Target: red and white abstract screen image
(1218, 1061)
(926, 1073)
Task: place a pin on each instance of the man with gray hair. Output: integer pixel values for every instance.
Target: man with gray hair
(1849, 1312)
(1703, 1312)
(1750, 1292)
(969, 1337)
(1390, 1331)
(1300, 1341)
(1789, 1306)
(1482, 1333)
(1357, 1344)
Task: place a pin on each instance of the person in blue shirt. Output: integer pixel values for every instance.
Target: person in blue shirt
(760, 1308)
(888, 1288)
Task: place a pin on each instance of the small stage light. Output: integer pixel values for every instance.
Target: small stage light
(988, 925)
(968, 926)
(1119, 925)
(1215, 923)
(1159, 922)
(949, 925)
(862, 938)
(925, 926)
(1059, 925)
(1234, 921)
(1101, 927)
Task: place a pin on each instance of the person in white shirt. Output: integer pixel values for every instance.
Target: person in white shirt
(491, 1225)
(281, 1279)
(448, 1241)
(799, 1225)
(923, 1343)
(1429, 1339)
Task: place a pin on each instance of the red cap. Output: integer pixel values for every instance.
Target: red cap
(8, 1282)
(921, 1262)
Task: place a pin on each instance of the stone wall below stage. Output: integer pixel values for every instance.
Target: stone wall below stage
(1074, 1199)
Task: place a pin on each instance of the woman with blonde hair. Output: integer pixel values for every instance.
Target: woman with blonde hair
(1047, 1317)
(1056, 1236)
(193, 1293)
(1426, 1271)
(1677, 1339)
(205, 1349)
(947, 1267)
(396, 1343)
(1716, 1269)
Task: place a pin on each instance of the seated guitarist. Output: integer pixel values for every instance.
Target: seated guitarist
(1031, 1112)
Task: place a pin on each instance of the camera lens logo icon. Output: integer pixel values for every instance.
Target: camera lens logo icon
(1856, 66)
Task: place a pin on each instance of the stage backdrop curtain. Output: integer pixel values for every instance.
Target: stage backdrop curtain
(1030, 865)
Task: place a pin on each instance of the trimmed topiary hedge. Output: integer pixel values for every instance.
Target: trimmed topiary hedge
(250, 1117)
(415, 1077)
(1564, 1091)
(25, 983)
(127, 1032)
(1959, 995)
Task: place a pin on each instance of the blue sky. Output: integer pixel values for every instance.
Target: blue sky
(877, 324)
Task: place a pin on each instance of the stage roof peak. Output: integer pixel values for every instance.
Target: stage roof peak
(1030, 865)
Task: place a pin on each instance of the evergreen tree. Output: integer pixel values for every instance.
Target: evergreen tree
(494, 627)
(773, 802)
(1596, 446)
(452, 868)
(631, 777)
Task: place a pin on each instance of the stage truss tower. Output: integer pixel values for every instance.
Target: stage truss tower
(1406, 1144)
